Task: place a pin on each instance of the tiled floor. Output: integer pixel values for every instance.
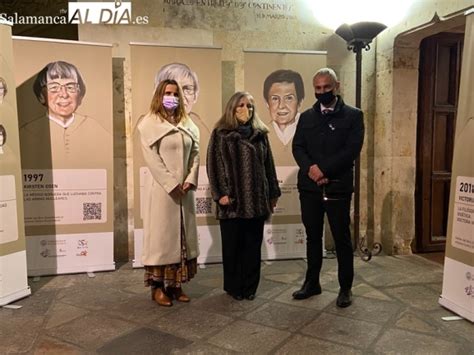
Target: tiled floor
(437, 257)
(395, 311)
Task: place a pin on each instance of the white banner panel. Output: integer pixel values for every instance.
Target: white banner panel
(8, 210)
(458, 279)
(13, 278)
(66, 139)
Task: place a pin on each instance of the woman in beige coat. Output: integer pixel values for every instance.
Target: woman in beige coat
(169, 142)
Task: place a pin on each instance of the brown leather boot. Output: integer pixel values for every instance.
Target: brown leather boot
(162, 298)
(179, 295)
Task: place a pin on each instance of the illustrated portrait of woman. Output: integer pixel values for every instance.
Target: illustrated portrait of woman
(189, 83)
(3, 89)
(62, 136)
(3, 137)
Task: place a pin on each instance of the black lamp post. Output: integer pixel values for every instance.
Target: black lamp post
(358, 36)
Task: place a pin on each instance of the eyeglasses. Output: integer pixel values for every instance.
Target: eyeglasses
(189, 90)
(287, 99)
(71, 88)
(249, 106)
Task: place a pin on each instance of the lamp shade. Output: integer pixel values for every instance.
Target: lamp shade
(360, 32)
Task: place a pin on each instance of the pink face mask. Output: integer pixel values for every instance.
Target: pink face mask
(170, 102)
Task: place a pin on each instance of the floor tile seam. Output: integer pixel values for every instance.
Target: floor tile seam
(280, 329)
(425, 260)
(45, 319)
(281, 344)
(209, 337)
(281, 283)
(131, 320)
(129, 331)
(332, 309)
(206, 338)
(233, 320)
(64, 341)
(382, 288)
(385, 328)
(331, 341)
(444, 328)
(446, 337)
(33, 345)
(91, 313)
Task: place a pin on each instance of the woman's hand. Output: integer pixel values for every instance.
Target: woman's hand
(188, 186)
(273, 203)
(177, 192)
(224, 201)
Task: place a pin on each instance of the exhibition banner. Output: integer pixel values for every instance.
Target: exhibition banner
(282, 85)
(13, 274)
(66, 140)
(198, 71)
(458, 279)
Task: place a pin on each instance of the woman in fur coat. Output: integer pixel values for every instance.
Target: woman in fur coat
(245, 188)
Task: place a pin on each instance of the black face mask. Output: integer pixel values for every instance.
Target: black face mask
(325, 98)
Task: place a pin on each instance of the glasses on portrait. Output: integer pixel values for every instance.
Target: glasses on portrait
(189, 90)
(71, 88)
(287, 99)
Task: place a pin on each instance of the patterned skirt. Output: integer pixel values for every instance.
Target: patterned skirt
(172, 275)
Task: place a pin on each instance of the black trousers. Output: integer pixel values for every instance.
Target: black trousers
(241, 254)
(313, 208)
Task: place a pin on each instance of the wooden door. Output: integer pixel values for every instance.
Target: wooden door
(440, 67)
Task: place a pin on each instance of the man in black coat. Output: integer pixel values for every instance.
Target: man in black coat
(328, 139)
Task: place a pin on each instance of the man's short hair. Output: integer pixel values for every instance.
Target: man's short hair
(326, 71)
(57, 70)
(284, 76)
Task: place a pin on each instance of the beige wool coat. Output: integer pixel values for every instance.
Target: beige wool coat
(172, 155)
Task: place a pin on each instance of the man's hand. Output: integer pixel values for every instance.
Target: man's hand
(188, 186)
(177, 192)
(315, 173)
(224, 201)
(322, 181)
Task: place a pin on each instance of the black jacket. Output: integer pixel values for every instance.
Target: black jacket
(332, 141)
(243, 169)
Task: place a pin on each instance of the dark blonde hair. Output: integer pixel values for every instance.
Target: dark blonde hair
(157, 107)
(229, 120)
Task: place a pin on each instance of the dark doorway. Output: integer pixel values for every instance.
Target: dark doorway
(440, 68)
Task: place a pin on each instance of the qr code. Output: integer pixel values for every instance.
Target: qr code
(204, 205)
(91, 211)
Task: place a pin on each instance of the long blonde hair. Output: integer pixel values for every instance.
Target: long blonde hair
(229, 120)
(157, 107)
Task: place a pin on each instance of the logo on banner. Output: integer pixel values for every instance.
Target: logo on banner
(82, 247)
(103, 13)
